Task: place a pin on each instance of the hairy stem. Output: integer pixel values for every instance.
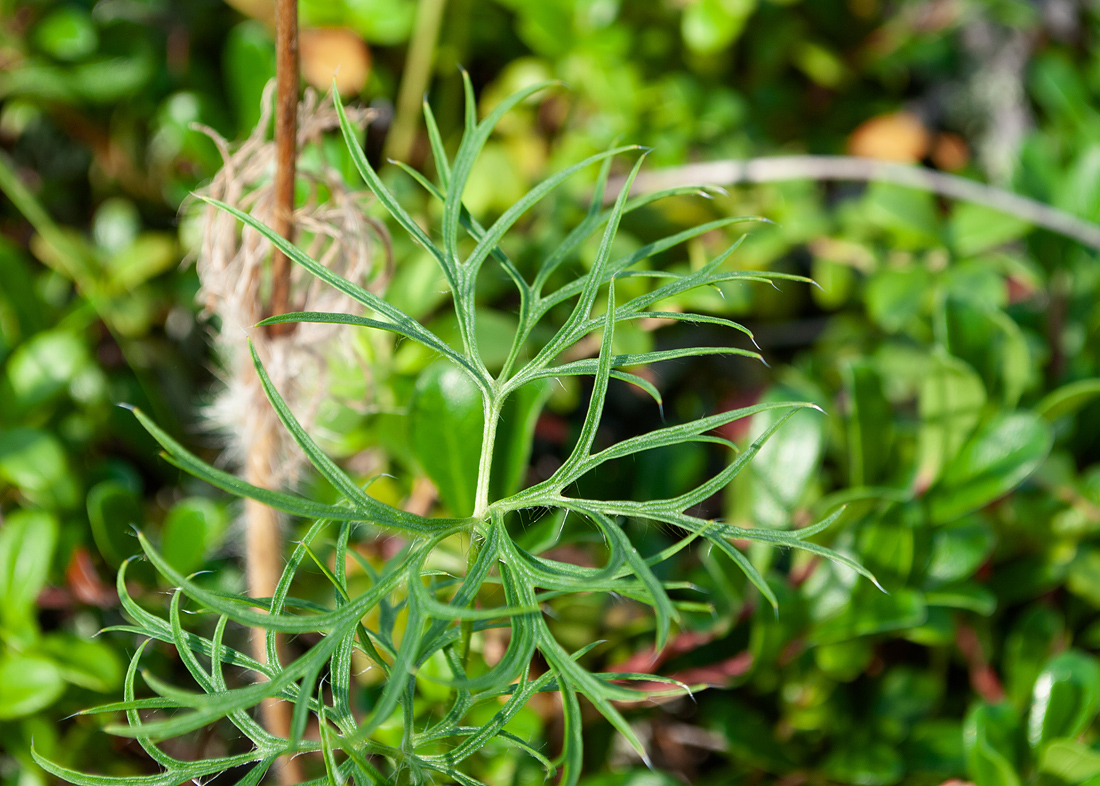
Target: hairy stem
(485, 463)
(468, 625)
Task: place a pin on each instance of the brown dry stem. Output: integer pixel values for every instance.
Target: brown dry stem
(286, 156)
(339, 234)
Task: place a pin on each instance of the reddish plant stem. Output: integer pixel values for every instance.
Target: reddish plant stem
(286, 153)
(264, 546)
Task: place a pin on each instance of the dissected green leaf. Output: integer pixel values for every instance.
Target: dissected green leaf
(420, 616)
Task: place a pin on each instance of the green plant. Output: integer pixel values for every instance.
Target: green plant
(421, 635)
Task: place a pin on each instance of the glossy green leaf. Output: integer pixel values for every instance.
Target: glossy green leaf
(1072, 761)
(192, 527)
(34, 462)
(870, 425)
(27, 542)
(911, 220)
(959, 549)
(845, 660)
(709, 26)
(1068, 399)
(991, 741)
(1027, 648)
(67, 34)
(782, 470)
(951, 401)
(28, 683)
(46, 365)
(114, 513)
(965, 595)
(895, 298)
(869, 613)
(975, 228)
(91, 664)
(875, 763)
(515, 437)
(1065, 698)
(1000, 455)
(1084, 574)
(248, 63)
(888, 548)
(149, 255)
(991, 342)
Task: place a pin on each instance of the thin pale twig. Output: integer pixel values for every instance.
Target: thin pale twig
(774, 169)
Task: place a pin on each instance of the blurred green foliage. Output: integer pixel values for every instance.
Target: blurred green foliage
(954, 349)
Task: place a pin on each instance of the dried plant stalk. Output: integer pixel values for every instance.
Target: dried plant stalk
(286, 147)
(231, 267)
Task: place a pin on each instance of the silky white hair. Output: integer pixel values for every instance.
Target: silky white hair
(232, 263)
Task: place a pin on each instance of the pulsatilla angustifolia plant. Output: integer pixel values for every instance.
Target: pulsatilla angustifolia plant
(411, 611)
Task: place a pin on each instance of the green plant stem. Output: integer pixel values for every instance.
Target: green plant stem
(485, 464)
(468, 625)
(418, 71)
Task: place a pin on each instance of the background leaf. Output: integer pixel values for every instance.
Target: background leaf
(1065, 698)
(1001, 453)
(445, 424)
